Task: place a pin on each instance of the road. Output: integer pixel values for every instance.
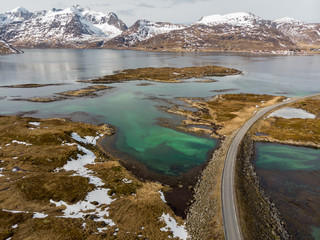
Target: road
(229, 213)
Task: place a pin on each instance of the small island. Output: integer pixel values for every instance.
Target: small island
(90, 91)
(165, 74)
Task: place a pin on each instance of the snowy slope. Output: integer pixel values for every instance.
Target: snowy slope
(58, 27)
(235, 19)
(142, 30)
(299, 32)
(16, 15)
(288, 20)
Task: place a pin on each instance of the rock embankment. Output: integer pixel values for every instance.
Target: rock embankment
(204, 219)
(259, 218)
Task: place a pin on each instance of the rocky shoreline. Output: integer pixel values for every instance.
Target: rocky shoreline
(259, 217)
(204, 219)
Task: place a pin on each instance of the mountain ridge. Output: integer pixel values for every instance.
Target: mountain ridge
(78, 27)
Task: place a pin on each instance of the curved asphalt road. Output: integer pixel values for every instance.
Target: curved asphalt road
(230, 219)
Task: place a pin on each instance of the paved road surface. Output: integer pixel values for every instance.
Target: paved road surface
(230, 219)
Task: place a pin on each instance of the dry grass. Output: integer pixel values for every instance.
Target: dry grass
(42, 99)
(137, 204)
(45, 186)
(292, 131)
(136, 213)
(88, 91)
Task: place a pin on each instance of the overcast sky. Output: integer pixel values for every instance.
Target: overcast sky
(181, 11)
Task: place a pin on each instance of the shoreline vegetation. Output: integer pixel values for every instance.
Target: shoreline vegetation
(220, 115)
(292, 131)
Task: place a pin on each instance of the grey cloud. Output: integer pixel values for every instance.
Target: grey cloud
(145, 5)
(59, 5)
(100, 5)
(125, 12)
(176, 2)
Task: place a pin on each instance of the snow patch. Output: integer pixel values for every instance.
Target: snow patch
(23, 143)
(34, 123)
(172, 226)
(126, 180)
(235, 19)
(94, 204)
(162, 196)
(39, 215)
(14, 211)
(96, 201)
(15, 226)
(78, 165)
(289, 112)
(288, 20)
(86, 139)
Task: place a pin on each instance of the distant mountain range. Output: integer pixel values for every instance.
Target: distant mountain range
(77, 27)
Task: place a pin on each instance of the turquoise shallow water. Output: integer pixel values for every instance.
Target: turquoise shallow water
(283, 157)
(166, 151)
(131, 108)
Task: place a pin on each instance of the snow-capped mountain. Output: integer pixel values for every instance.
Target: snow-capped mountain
(77, 27)
(18, 14)
(142, 30)
(6, 48)
(241, 19)
(231, 32)
(71, 27)
(302, 34)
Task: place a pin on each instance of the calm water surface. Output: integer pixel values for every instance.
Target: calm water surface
(291, 176)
